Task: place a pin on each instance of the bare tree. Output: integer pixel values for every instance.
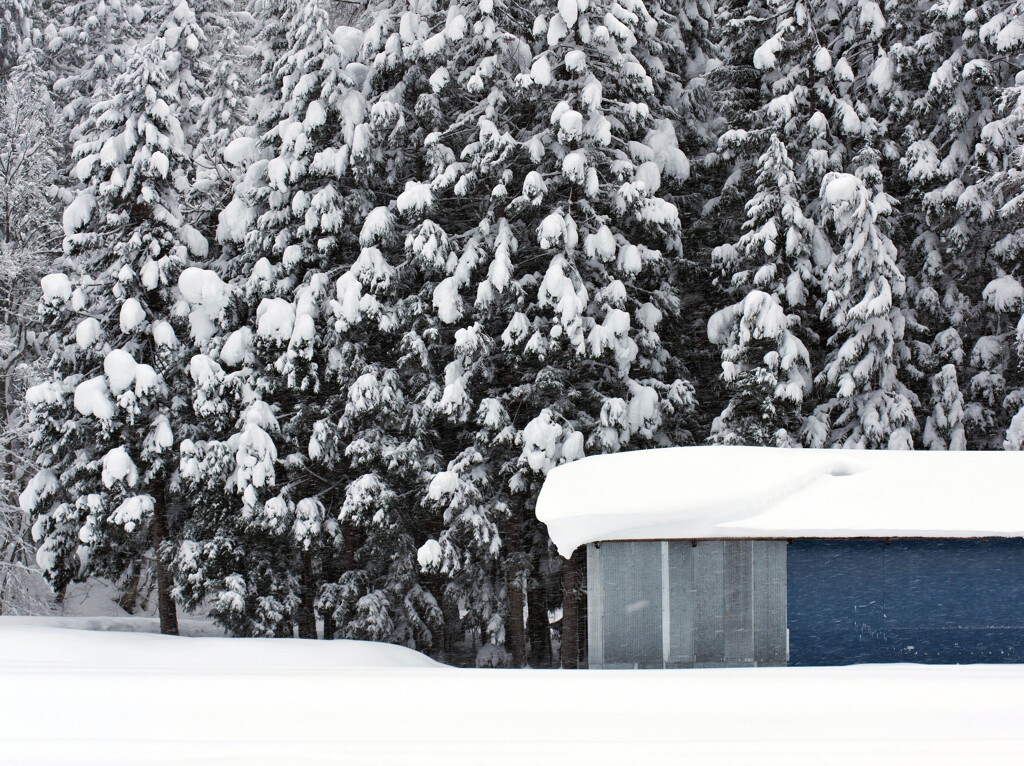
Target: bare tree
(30, 139)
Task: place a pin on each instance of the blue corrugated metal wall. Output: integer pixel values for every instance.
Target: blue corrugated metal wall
(942, 601)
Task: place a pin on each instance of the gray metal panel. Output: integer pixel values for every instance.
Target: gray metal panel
(769, 602)
(666, 600)
(682, 599)
(595, 608)
(708, 568)
(738, 615)
(631, 574)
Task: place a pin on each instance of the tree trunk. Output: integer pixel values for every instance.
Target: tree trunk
(130, 595)
(168, 610)
(328, 575)
(307, 615)
(515, 633)
(537, 626)
(571, 577)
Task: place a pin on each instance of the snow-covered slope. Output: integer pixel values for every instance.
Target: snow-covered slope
(73, 697)
(190, 628)
(715, 492)
(34, 643)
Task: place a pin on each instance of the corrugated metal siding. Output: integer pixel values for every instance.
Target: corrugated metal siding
(739, 592)
(726, 603)
(937, 601)
(632, 604)
(709, 630)
(769, 604)
(682, 603)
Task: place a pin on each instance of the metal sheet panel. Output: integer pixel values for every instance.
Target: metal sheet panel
(738, 615)
(949, 584)
(769, 602)
(632, 604)
(682, 600)
(935, 601)
(595, 608)
(709, 608)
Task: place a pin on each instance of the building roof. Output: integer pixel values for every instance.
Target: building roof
(762, 492)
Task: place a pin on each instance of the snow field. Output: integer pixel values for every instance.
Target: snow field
(149, 699)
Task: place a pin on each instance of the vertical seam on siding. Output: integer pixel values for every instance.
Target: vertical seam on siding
(666, 624)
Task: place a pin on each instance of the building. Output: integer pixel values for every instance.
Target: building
(739, 556)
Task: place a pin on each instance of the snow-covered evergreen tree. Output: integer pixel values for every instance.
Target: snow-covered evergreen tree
(1002, 146)
(325, 509)
(110, 418)
(833, 93)
(871, 406)
(777, 261)
(944, 428)
(15, 31)
(766, 370)
(537, 240)
(467, 355)
(951, 68)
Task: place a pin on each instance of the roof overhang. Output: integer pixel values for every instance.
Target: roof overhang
(699, 493)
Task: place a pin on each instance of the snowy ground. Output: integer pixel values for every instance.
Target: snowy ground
(78, 697)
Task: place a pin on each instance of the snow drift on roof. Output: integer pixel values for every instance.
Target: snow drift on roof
(722, 492)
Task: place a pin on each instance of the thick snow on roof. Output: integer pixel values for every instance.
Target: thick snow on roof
(721, 492)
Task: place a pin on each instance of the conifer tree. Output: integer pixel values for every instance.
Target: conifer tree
(944, 428)
(545, 254)
(1003, 192)
(15, 30)
(952, 68)
(109, 421)
(871, 407)
(766, 364)
(324, 513)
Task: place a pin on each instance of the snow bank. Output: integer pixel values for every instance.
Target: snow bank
(716, 492)
(191, 628)
(129, 645)
(122, 698)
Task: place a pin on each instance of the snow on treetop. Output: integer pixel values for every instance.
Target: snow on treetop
(348, 41)
(56, 288)
(275, 318)
(131, 511)
(92, 398)
(87, 332)
(46, 392)
(203, 288)
(42, 484)
(429, 554)
(417, 198)
(163, 334)
(78, 212)
(764, 56)
(376, 228)
(119, 367)
(841, 188)
(742, 492)
(132, 315)
(119, 466)
(240, 151)
(1004, 294)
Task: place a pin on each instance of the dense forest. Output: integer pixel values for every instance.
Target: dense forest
(302, 299)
